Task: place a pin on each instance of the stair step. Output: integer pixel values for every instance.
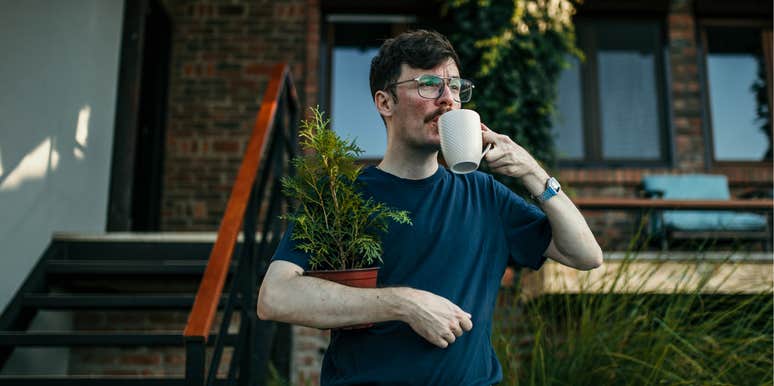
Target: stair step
(57, 301)
(86, 380)
(137, 245)
(126, 267)
(63, 339)
(89, 380)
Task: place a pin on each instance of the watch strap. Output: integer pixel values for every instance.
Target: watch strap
(549, 191)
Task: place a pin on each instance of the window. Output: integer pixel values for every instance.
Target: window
(352, 41)
(738, 92)
(610, 108)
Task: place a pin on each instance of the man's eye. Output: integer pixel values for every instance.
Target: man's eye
(428, 82)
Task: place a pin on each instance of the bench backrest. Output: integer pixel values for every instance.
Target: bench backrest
(689, 186)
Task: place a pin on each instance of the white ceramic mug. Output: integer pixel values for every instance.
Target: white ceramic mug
(461, 141)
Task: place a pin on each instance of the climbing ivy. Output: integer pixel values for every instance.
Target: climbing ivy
(515, 51)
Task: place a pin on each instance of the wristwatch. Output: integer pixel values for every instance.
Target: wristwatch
(552, 189)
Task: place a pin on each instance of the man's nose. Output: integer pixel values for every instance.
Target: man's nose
(446, 96)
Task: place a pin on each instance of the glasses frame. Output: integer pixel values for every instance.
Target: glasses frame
(441, 90)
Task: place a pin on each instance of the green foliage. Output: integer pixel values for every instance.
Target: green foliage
(515, 51)
(687, 336)
(762, 114)
(334, 224)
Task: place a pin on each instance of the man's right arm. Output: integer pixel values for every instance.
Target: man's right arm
(286, 295)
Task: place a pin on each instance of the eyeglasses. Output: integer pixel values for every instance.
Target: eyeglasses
(432, 87)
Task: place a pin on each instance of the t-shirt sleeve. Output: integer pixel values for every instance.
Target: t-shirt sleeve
(526, 228)
(287, 251)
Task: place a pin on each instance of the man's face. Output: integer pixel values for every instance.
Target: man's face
(415, 119)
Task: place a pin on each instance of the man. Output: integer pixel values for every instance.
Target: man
(440, 276)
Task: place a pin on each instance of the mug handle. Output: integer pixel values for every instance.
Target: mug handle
(486, 150)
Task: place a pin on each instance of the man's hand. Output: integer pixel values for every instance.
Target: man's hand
(288, 296)
(572, 242)
(508, 158)
(435, 318)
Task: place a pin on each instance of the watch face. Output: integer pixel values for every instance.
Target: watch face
(554, 184)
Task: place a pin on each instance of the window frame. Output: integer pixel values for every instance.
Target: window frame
(328, 43)
(402, 15)
(702, 44)
(591, 99)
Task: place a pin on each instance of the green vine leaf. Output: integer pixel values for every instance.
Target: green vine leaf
(517, 51)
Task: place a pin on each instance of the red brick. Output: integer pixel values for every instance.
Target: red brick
(681, 34)
(226, 146)
(684, 20)
(148, 359)
(258, 68)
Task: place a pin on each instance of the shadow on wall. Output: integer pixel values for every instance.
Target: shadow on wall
(25, 166)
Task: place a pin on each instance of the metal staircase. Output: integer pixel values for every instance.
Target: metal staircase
(112, 273)
(212, 280)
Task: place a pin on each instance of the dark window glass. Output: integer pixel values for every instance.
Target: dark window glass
(627, 90)
(568, 122)
(608, 107)
(353, 114)
(738, 102)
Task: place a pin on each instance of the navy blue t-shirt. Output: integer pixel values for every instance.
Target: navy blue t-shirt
(465, 229)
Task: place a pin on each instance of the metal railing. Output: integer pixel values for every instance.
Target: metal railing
(256, 193)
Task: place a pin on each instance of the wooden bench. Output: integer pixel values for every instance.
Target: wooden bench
(643, 206)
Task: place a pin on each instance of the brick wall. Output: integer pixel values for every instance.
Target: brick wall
(221, 53)
(689, 141)
(126, 361)
(615, 229)
(133, 361)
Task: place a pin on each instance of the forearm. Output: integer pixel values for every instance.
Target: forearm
(572, 237)
(290, 297)
(573, 243)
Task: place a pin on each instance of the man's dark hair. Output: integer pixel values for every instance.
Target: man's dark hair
(419, 49)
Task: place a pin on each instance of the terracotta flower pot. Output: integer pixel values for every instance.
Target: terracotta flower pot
(361, 278)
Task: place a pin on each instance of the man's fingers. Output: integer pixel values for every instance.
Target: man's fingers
(488, 135)
(487, 138)
(497, 162)
(456, 329)
(466, 324)
(434, 338)
(494, 155)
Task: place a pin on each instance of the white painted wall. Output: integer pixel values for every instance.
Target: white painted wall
(58, 82)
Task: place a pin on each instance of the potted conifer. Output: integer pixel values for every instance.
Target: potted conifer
(334, 224)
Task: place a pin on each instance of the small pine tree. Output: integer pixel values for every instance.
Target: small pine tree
(334, 223)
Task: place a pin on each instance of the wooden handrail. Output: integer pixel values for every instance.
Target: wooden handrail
(211, 287)
(607, 203)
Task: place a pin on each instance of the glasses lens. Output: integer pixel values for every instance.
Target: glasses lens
(466, 90)
(429, 85)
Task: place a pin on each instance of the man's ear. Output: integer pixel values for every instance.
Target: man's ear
(384, 103)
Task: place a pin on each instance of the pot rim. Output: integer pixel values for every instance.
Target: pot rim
(344, 270)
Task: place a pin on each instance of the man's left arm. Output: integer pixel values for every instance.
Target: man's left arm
(573, 244)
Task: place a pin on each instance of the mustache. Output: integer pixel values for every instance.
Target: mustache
(435, 114)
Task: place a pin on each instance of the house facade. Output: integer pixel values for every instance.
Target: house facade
(660, 91)
(170, 90)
